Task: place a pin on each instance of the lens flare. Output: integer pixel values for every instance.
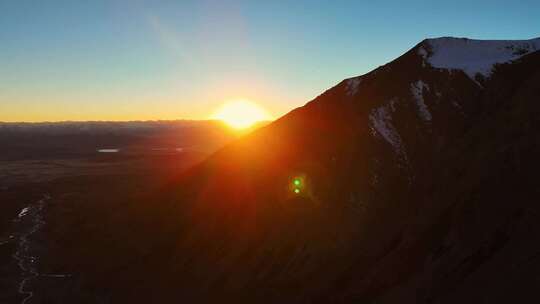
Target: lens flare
(297, 185)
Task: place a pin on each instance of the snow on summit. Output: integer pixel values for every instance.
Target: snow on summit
(474, 56)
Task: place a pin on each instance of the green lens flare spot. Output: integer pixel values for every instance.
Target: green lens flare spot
(296, 191)
(297, 182)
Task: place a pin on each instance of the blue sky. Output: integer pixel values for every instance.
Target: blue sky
(119, 59)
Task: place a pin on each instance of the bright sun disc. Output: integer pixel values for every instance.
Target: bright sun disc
(241, 114)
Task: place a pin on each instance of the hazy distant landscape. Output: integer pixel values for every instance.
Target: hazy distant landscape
(76, 140)
(45, 162)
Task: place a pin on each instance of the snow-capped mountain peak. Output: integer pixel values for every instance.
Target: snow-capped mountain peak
(474, 56)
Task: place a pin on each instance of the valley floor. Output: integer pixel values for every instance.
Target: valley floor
(51, 207)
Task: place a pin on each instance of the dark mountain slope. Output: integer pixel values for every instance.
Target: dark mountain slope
(417, 184)
(486, 202)
(410, 173)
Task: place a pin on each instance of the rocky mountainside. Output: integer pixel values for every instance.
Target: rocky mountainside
(414, 183)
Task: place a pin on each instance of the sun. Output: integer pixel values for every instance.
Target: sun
(241, 114)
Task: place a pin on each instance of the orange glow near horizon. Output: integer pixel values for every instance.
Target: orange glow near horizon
(241, 114)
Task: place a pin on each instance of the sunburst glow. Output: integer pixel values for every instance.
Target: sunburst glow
(241, 114)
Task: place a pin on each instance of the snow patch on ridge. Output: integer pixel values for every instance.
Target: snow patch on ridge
(417, 92)
(352, 85)
(23, 212)
(380, 121)
(475, 56)
(422, 52)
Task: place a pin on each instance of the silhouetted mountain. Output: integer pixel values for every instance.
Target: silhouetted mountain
(416, 184)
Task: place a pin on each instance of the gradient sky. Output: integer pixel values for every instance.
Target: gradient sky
(131, 60)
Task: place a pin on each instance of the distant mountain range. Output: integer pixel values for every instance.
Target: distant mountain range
(65, 127)
(79, 139)
(414, 183)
